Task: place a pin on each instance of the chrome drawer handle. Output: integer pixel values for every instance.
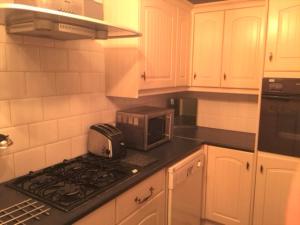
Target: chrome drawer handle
(141, 201)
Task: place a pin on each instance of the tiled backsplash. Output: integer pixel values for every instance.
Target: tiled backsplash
(50, 93)
(229, 112)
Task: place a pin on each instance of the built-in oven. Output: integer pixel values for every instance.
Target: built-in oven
(279, 128)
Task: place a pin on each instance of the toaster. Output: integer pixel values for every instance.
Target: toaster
(106, 140)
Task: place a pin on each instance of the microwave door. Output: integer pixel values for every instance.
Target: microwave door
(156, 129)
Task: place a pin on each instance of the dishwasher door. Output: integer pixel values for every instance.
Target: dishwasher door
(185, 190)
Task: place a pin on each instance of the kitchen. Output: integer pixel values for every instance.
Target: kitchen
(52, 91)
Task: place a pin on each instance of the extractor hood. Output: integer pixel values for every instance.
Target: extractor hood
(42, 22)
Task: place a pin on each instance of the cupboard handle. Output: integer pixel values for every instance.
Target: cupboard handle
(271, 56)
(225, 76)
(248, 166)
(195, 76)
(142, 200)
(261, 169)
(143, 75)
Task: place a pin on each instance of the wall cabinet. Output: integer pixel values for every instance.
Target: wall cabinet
(158, 59)
(283, 45)
(207, 48)
(273, 180)
(228, 192)
(228, 48)
(158, 26)
(243, 51)
(182, 68)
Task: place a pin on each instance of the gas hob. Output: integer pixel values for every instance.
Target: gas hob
(71, 183)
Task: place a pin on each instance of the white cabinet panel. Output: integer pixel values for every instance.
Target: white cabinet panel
(243, 48)
(273, 182)
(207, 48)
(283, 45)
(228, 192)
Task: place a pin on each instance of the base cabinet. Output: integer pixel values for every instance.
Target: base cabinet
(102, 216)
(151, 213)
(273, 182)
(228, 193)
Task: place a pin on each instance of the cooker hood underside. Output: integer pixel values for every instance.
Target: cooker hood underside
(41, 22)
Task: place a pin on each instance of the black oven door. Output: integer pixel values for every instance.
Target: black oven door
(279, 129)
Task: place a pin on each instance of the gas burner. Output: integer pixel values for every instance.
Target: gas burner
(71, 183)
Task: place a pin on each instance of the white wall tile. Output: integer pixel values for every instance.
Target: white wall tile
(69, 127)
(108, 116)
(9, 38)
(90, 119)
(99, 101)
(30, 160)
(45, 42)
(26, 111)
(79, 145)
(90, 82)
(229, 112)
(6, 168)
(22, 58)
(5, 120)
(79, 61)
(56, 107)
(67, 83)
(97, 62)
(12, 85)
(54, 59)
(43, 133)
(80, 104)
(57, 152)
(19, 135)
(40, 84)
(2, 57)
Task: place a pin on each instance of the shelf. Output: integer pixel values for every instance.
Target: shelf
(42, 22)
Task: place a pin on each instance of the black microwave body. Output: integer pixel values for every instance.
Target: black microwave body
(146, 127)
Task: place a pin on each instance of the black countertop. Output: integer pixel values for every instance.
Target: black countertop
(190, 140)
(218, 137)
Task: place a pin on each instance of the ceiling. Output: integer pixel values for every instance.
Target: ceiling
(203, 1)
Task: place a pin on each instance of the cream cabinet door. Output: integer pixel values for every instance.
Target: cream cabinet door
(152, 213)
(273, 180)
(283, 45)
(105, 215)
(183, 47)
(243, 51)
(228, 193)
(158, 25)
(207, 48)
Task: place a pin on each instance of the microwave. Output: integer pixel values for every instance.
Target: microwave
(145, 127)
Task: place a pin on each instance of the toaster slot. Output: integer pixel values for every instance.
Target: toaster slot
(102, 129)
(113, 129)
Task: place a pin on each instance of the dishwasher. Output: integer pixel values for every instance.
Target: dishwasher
(185, 190)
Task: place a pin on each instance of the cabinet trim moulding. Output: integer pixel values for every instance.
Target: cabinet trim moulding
(148, 92)
(285, 74)
(225, 90)
(227, 5)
